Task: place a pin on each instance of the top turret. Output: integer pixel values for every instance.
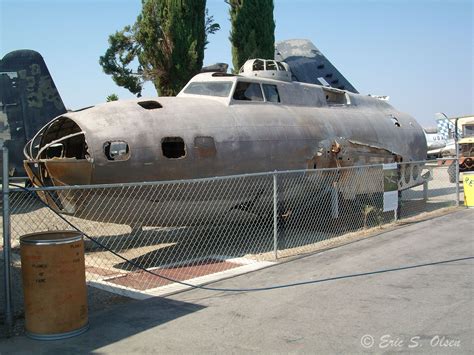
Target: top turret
(266, 68)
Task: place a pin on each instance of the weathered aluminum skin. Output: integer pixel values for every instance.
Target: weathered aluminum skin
(249, 136)
(303, 131)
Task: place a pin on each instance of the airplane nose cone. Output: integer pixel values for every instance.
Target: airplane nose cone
(58, 155)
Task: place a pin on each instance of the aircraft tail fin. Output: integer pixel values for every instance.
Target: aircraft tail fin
(309, 65)
(446, 128)
(28, 100)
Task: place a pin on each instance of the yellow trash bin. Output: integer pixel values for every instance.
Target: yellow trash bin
(54, 284)
(468, 184)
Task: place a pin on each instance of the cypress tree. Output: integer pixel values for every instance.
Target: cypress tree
(252, 30)
(168, 39)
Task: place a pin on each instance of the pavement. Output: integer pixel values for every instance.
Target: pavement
(409, 307)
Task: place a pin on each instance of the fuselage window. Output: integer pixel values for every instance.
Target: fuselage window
(116, 150)
(173, 147)
(271, 93)
(248, 91)
(205, 147)
(258, 65)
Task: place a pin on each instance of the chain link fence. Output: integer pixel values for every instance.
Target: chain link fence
(199, 231)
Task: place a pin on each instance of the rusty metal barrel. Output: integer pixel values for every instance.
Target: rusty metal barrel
(54, 284)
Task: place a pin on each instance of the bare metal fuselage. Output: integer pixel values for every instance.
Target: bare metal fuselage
(302, 131)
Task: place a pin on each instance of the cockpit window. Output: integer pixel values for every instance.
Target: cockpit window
(214, 88)
(248, 91)
(280, 66)
(258, 65)
(271, 93)
(271, 65)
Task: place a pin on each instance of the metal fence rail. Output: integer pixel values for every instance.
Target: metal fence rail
(200, 230)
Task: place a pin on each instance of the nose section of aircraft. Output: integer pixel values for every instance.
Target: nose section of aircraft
(58, 155)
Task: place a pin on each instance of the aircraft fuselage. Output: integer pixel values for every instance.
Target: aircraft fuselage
(220, 125)
(215, 136)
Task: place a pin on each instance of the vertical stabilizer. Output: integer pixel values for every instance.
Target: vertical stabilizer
(309, 65)
(446, 128)
(28, 100)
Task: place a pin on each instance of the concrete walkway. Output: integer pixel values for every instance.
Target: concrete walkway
(422, 309)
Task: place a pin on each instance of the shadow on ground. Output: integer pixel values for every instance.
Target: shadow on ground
(110, 326)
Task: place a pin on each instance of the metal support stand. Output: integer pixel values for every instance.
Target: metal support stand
(275, 215)
(7, 245)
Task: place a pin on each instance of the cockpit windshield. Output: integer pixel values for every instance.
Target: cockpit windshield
(209, 88)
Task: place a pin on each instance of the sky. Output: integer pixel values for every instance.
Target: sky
(418, 52)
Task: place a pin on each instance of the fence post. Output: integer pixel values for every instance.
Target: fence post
(6, 244)
(425, 191)
(457, 177)
(334, 201)
(456, 146)
(398, 211)
(275, 215)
